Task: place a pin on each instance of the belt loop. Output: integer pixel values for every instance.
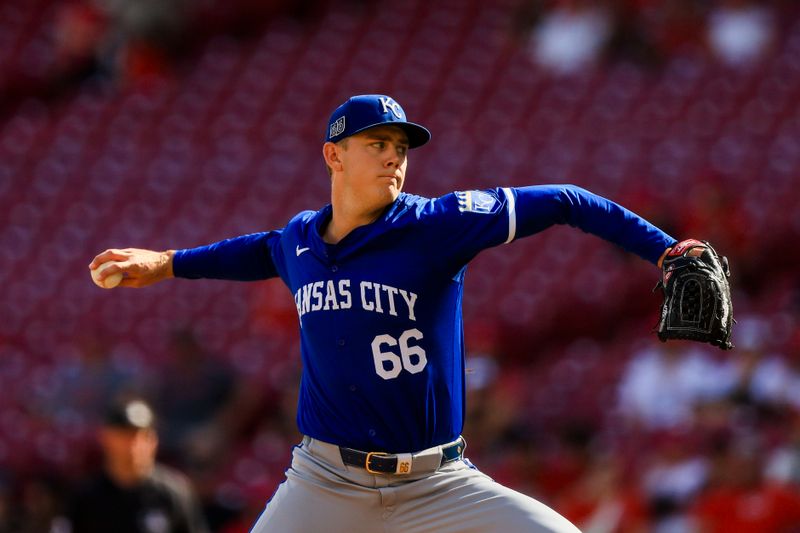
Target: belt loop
(404, 462)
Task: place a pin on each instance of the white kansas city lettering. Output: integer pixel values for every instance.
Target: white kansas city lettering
(372, 296)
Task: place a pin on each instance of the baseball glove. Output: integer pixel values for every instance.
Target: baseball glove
(697, 296)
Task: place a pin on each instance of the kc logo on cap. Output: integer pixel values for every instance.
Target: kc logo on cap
(390, 105)
(366, 111)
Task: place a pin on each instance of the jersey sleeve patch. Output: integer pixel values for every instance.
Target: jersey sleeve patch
(475, 202)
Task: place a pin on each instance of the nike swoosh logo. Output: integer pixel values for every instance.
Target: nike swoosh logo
(299, 250)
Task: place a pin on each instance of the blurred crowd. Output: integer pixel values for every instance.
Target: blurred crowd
(138, 41)
(676, 437)
(571, 35)
(686, 438)
(618, 432)
(129, 42)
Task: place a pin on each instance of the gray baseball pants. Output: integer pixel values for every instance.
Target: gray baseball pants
(321, 493)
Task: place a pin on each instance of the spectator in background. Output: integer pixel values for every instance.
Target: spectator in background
(601, 503)
(80, 29)
(134, 493)
(631, 39)
(490, 407)
(39, 507)
(672, 476)
(130, 40)
(566, 459)
(739, 499)
(98, 371)
(5, 504)
(767, 380)
(675, 27)
(740, 32)
(146, 36)
(661, 385)
(200, 417)
(571, 36)
(783, 464)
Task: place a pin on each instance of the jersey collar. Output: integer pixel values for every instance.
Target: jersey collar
(359, 236)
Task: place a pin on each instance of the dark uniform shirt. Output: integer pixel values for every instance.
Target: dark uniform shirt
(162, 503)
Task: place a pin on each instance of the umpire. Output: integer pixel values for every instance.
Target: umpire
(134, 493)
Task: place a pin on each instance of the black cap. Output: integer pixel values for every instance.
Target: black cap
(132, 413)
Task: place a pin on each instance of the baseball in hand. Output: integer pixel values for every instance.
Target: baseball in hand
(111, 281)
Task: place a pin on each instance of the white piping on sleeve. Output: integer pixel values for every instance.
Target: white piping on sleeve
(512, 215)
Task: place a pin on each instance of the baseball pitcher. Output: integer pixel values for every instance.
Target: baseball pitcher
(377, 277)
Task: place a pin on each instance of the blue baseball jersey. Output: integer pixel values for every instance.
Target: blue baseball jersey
(380, 311)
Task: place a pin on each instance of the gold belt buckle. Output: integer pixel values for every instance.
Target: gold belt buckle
(366, 463)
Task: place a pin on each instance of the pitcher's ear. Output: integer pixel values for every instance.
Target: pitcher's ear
(330, 152)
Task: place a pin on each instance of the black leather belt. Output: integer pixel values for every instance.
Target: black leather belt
(384, 463)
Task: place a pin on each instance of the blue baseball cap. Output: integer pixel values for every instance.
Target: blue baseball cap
(366, 111)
